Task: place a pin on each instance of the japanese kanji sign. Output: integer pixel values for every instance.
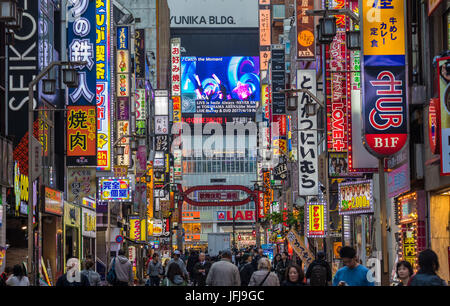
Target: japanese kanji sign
(384, 83)
(264, 27)
(137, 228)
(307, 136)
(81, 40)
(356, 197)
(140, 104)
(81, 136)
(268, 192)
(444, 112)
(114, 189)
(299, 247)
(175, 53)
(54, 202)
(306, 46)
(122, 38)
(123, 129)
(81, 183)
(316, 220)
(176, 109)
(139, 53)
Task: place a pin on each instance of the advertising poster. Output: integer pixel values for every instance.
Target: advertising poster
(399, 181)
(81, 40)
(306, 46)
(316, 220)
(88, 220)
(337, 164)
(81, 136)
(385, 117)
(123, 129)
(54, 202)
(444, 97)
(220, 85)
(356, 198)
(103, 102)
(140, 104)
(114, 189)
(299, 247)
(81, 182)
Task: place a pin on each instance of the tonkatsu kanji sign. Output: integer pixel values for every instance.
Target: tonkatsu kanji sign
(384, 82)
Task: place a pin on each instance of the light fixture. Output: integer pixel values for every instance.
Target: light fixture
(324, 40)
(8, 10)
(133, 145)
(310, 109)
(70, 77)
(328, 26)
(353, 39)
(17, 22)
(292, 103)
(49, 86)
(148, 178)
(120, 150)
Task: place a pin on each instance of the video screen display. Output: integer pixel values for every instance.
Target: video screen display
(220, 85)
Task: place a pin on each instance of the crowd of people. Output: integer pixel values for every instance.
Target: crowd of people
(249, 267)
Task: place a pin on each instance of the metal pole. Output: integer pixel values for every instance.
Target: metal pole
(108, 240)
(234, 236)
(383, 223)
(30, 188)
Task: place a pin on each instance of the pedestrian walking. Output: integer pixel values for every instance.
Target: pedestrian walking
(201, 270)
(73, 277)
(404, 272)
(123, 269)
(353, 273)
(428, 265)
(223, 272)
(276, 260)
(247, 269)
(258, 254)
(175, 276)
(177, 259)
(294, 276)
(319, 271)
(18, 278)
(4, 276)
(93, 277)
(155, 270)
(264, 277)
(192, 260)
(282, 266)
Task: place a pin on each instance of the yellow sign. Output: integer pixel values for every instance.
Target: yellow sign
(316, 220)
(150, 191)
(137, 229)
(336, 248)
(299, 247)
(383, 27)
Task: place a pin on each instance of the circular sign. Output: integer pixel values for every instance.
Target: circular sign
(306, 38)
(119, 238)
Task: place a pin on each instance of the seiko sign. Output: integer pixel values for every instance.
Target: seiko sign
(22, 68)
(213, 13)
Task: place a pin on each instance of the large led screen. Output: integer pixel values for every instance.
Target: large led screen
(220, 85)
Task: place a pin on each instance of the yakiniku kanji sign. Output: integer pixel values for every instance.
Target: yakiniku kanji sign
(81, 136)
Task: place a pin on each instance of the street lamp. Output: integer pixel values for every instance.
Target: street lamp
(8, 10)
(353, 40)
(328, 26)
(49, 86)
(292, 103)
(17, 22)
(70, 77)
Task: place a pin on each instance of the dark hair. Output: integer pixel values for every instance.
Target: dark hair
(246, 256)
(18, 271)
(321, 255)
(172, 270)
(121, 252)
(347, 252)
(226, 254)
(278, 256)
(407, 265)
(301, 275)
(155, 255)
(428, 262)
(89, 263)
(286, 253)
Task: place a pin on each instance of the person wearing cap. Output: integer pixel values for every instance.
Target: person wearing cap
(223, 272)
(176, 259)
(319, 271)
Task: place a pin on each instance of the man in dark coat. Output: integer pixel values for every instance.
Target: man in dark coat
(247, 269)
(190, 263)
(320, 261)
(282, 266)
(200, 270)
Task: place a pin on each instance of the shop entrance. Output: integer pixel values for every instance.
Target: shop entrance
(72, 245)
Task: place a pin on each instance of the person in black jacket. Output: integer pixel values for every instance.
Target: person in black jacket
(282, 266)
(201, 270)
(73, 277)
(247, 269)
(320, 261)
(191, 261)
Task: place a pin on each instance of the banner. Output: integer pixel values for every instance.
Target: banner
(299, 247)
(137, 229)
(356, 197)
(385, 117)
(81, 136)
(444, 99)
(306, 46)
(307, 136)
(81, 182)
(139, 53)
(114, 189)
(316, 220)
(81, 41)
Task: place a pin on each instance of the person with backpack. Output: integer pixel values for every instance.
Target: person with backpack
(175, 276)
(122, 269)
(246, 270)
(319, 271)
(428, 265)
(294, 276)
(93, 277)
(264, 277)
(282, 266)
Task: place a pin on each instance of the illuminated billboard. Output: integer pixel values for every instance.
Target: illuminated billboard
(220, 85)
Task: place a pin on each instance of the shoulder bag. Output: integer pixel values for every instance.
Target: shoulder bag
(267, 275)
(111, 277)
